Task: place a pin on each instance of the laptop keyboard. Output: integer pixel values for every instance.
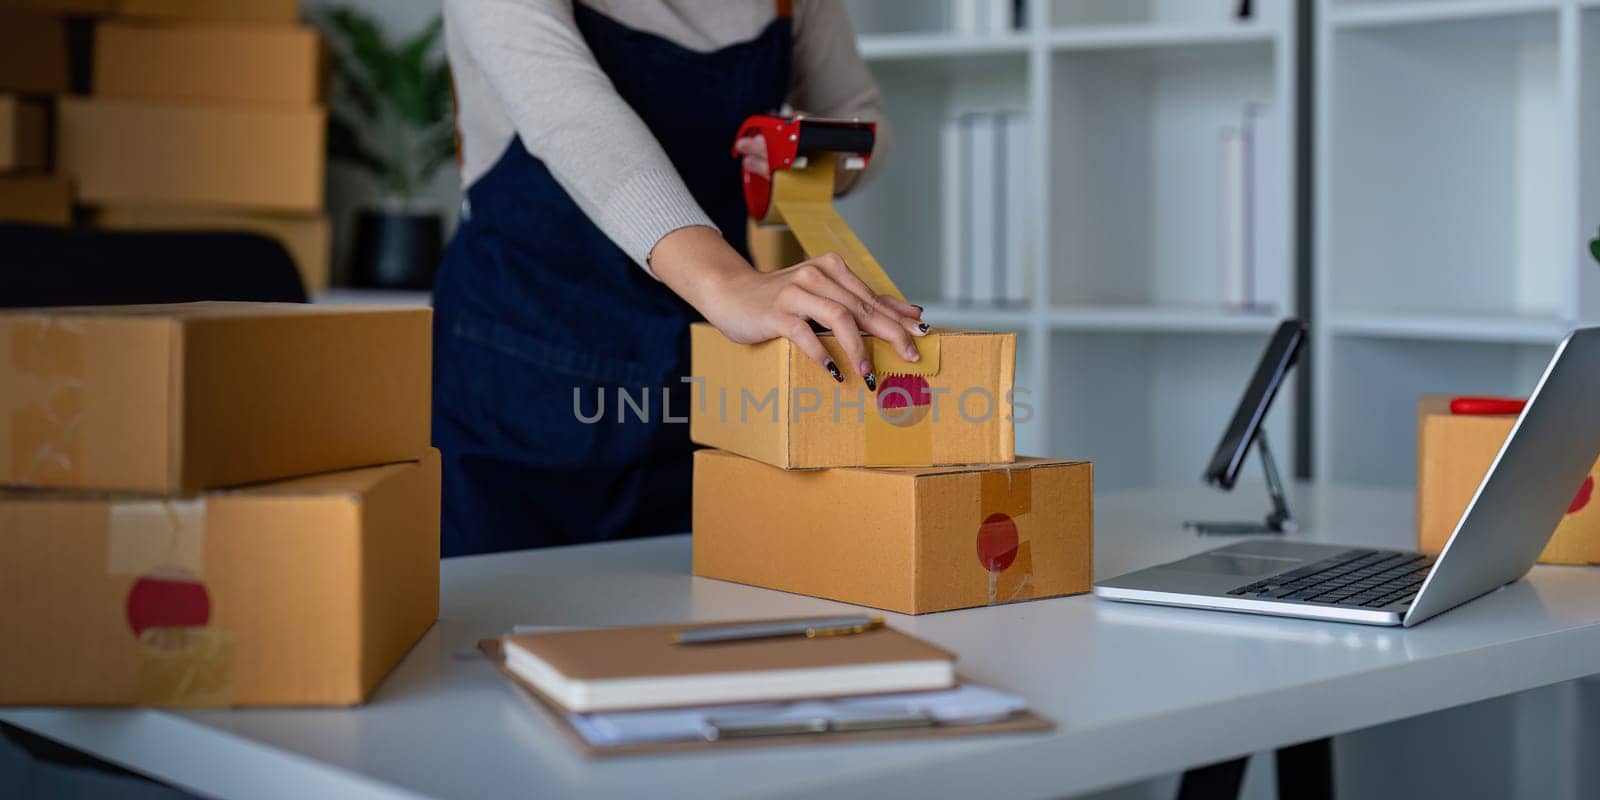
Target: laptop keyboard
(1361, 578)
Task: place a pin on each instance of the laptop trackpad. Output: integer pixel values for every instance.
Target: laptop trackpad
(1239, 565)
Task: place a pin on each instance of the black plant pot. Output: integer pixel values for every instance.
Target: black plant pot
(396, 249)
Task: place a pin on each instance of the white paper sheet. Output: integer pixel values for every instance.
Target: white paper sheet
(963, 705)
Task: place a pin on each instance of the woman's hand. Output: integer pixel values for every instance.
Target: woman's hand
(750, 306)
(752, 152)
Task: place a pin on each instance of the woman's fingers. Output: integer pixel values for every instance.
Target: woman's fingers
(868, 316)
(796, 329)
(836, 269)
(878, 319)
(905, 309)
(754, 152)
(834, 316)
(751, 146)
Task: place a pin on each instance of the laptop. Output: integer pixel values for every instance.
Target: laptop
(1497, 540)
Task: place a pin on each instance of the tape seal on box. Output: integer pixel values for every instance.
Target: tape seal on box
(1005, 549)
(47, 358)
(183, 660)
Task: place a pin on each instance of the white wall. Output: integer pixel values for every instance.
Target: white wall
(348, 188)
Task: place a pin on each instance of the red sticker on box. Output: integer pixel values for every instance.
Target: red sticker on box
(1585, 492)
(168, 600)
(904, 400)
(997, 542)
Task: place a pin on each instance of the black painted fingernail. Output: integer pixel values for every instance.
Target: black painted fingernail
(917, 307)
(922, 327)
(833, 369)
(872, 382)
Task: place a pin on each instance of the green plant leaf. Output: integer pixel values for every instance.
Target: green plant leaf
(366, 43)
(415, 93)
(345, 143)
(438, 89)
(437, 151)
(415, 52)
(403, 92)
(359, 89)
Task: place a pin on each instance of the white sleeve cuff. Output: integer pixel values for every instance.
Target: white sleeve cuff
(646, 208)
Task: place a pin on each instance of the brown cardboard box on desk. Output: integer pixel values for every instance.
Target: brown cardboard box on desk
(24, 134)
(1454, 452)
(181, 398)
(301, 592)
(34, 55)
(906, 540)
(35, 199)
(267, 65)
(169, 153)
(280, 12)
(74, 7)
(772, 402)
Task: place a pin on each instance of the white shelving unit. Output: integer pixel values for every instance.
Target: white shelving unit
(1458, 163)
(1126, 352)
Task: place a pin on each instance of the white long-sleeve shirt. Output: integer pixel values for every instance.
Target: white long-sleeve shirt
(521, 68)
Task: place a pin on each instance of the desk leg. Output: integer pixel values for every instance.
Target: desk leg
(1305, 770)
(1218, 781)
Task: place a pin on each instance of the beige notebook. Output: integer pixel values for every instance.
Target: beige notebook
(612, 669)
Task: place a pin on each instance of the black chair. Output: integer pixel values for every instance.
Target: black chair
(42, 266)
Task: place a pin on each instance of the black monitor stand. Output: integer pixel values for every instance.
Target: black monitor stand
(1279, 520)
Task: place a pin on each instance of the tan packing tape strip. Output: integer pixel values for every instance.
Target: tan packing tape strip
(178, 666)
(899, 436)
(803, 200)
(48, 360)
(144, 536)
(1010, 491)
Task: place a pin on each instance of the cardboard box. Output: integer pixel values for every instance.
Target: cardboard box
(275, 12)
(36, 200)
(34, 56)
(24, 134)
(305, 592)
(230, 63)
(151, 153)
(308, 239)
(772, 403)
(179, 398)
(85, 7)
(906, 540)
(1453, 455)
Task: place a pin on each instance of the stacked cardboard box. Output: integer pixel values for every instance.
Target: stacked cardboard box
(35, 65)
(205, 115)
(1454, 452)
(906, 496)
(214, 504)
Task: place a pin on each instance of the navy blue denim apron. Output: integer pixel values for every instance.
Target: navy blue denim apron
(533, 302)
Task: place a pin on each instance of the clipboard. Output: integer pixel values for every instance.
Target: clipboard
(1020, 722)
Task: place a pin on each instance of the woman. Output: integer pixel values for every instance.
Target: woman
(603, 215)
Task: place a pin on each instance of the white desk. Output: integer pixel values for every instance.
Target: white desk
(1136, 691)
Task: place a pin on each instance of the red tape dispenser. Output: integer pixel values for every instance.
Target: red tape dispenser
(804, 154)
(792, 144)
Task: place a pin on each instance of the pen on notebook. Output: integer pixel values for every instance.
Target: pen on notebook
(810, 628)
